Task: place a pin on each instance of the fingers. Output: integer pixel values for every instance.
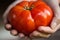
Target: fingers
(48, 29)
(53, 23)
(14, 32)
(45, 29)
(39, 34)
(57, 27)
(8, 26)
(21, 35)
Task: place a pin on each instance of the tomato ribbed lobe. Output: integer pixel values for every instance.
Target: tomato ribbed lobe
(26, 16)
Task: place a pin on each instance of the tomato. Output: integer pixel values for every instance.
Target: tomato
(26, 16)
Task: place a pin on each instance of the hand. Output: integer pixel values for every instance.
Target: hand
(47, 30)
(8, 26)
(55, 24)
(13, 31)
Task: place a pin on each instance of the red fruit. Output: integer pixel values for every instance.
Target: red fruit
(27, 16)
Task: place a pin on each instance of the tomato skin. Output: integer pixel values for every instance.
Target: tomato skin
(42, 15)
(26, 16)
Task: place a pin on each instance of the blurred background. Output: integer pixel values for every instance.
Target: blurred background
(5, 35)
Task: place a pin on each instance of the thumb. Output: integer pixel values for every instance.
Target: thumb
(46, 29)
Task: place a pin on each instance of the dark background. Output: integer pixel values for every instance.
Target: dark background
(3, 5)
(5, 35)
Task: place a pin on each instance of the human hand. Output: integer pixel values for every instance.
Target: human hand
(8, 26)
(55, 24)
(46, 34)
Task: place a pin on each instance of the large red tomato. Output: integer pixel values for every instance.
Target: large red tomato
(27, 16)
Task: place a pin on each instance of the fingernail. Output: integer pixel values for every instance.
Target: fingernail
(14, 32)
(40, 28)
(8, 26)
(21, 35)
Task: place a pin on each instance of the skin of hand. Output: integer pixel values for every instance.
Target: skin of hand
(55, 25)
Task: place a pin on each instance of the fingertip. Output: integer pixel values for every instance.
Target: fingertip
(37, 34)
(34, 34)
(21, 35)
(8, 27)
(43, 28)
(40, 28)
(14, 32)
